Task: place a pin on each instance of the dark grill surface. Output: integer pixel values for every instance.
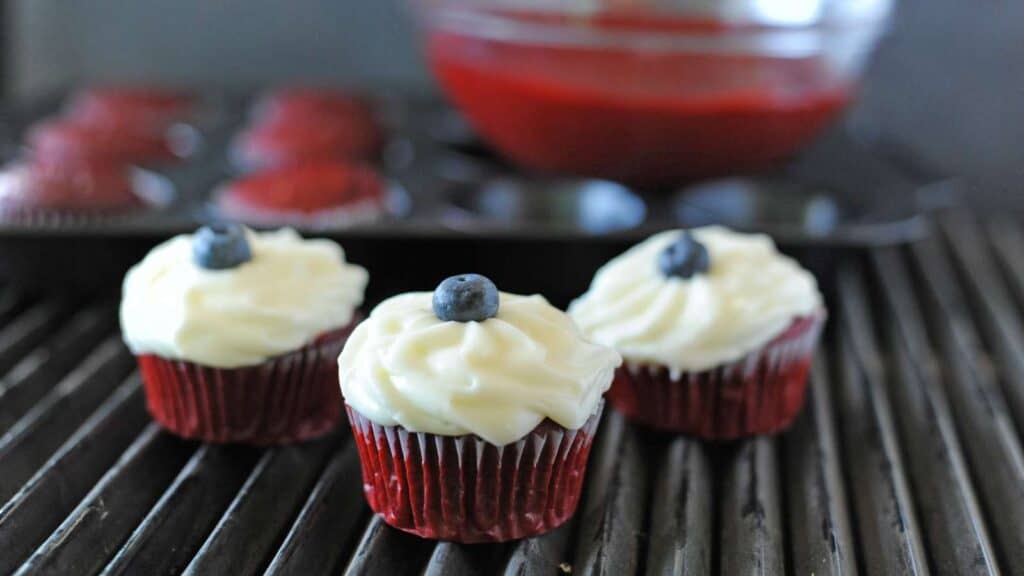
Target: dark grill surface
(907, 459)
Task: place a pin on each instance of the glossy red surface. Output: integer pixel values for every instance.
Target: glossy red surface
(288, 141)
(309, 103)
(69, 139)
(651, 118)
(138, 106)
(306, 188)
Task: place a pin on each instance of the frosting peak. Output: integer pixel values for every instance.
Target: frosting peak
(497, 379)
(290, 292)
(749, 295)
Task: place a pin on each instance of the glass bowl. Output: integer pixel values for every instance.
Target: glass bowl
(647, 92)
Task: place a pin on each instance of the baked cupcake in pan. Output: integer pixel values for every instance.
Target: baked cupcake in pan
(716, 328)
(69, 139)
(282, 142)
(317, 194)
(305, 103)
(473, 410)
(140, 106)
(237, 333)
(46, 192)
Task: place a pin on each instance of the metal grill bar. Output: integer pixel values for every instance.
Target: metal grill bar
(680, 534)
(34, 437)
(30, 379)
(752, 516)
(822, 541)
(384, 550)
(907, 459)
(958, 541)
(274, 491)
(45, 500)
(1002, 332)
(93, 532)
(27, 330)
(190, 507)
(611, 517)
(890, 537)
(983, 420)
(328, 522)
(1007, 242)
(535, 556)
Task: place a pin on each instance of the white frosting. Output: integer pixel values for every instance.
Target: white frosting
(750, 295)
(291, 291)
(497, 379)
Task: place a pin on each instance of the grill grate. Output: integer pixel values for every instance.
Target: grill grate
(907, 460)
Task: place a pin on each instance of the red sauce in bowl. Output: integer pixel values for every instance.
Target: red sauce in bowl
(657, 118)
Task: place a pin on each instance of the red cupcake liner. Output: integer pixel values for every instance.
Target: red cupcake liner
(760, 393)
(289, 398)
(465, 489)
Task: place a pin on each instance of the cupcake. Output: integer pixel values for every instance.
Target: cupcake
(281, 141)
(139, 106)
(473, 411)
(716, 330)
(299, 104)
(70, 139)
(237, 333)
(34, 189)
(314, 194)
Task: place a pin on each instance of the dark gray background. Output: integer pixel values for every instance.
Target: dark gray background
(946, 88)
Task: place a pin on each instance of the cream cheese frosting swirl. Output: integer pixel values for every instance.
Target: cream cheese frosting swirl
(498, 378)
(290, 292)
(750, 295)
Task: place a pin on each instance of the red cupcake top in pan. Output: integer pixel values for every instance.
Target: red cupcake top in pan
(306, 188)
(81, 185)
(282, 142)
(309, 103)
(70, 139)
(137, 106)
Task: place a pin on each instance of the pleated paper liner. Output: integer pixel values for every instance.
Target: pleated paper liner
(761, 393)
(465, 489)
(290, 398)
(152, 191)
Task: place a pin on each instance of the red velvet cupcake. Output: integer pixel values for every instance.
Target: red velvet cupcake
(717, 330)
(35, 189)
(136, 106)
(474, 411)
(237, 333)
(313, 194)
(282, 141)
(69, 139)
(304, 104)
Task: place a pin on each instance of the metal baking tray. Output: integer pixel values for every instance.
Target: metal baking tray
(451, 188)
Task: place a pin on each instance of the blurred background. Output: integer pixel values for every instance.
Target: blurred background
(947, 83)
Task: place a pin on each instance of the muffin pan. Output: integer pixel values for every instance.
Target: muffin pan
(449, 187)
(452, 181)
(904, 461)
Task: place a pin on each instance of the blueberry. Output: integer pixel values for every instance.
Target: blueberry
(684, 258)
(220, 247)
(466, 298)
